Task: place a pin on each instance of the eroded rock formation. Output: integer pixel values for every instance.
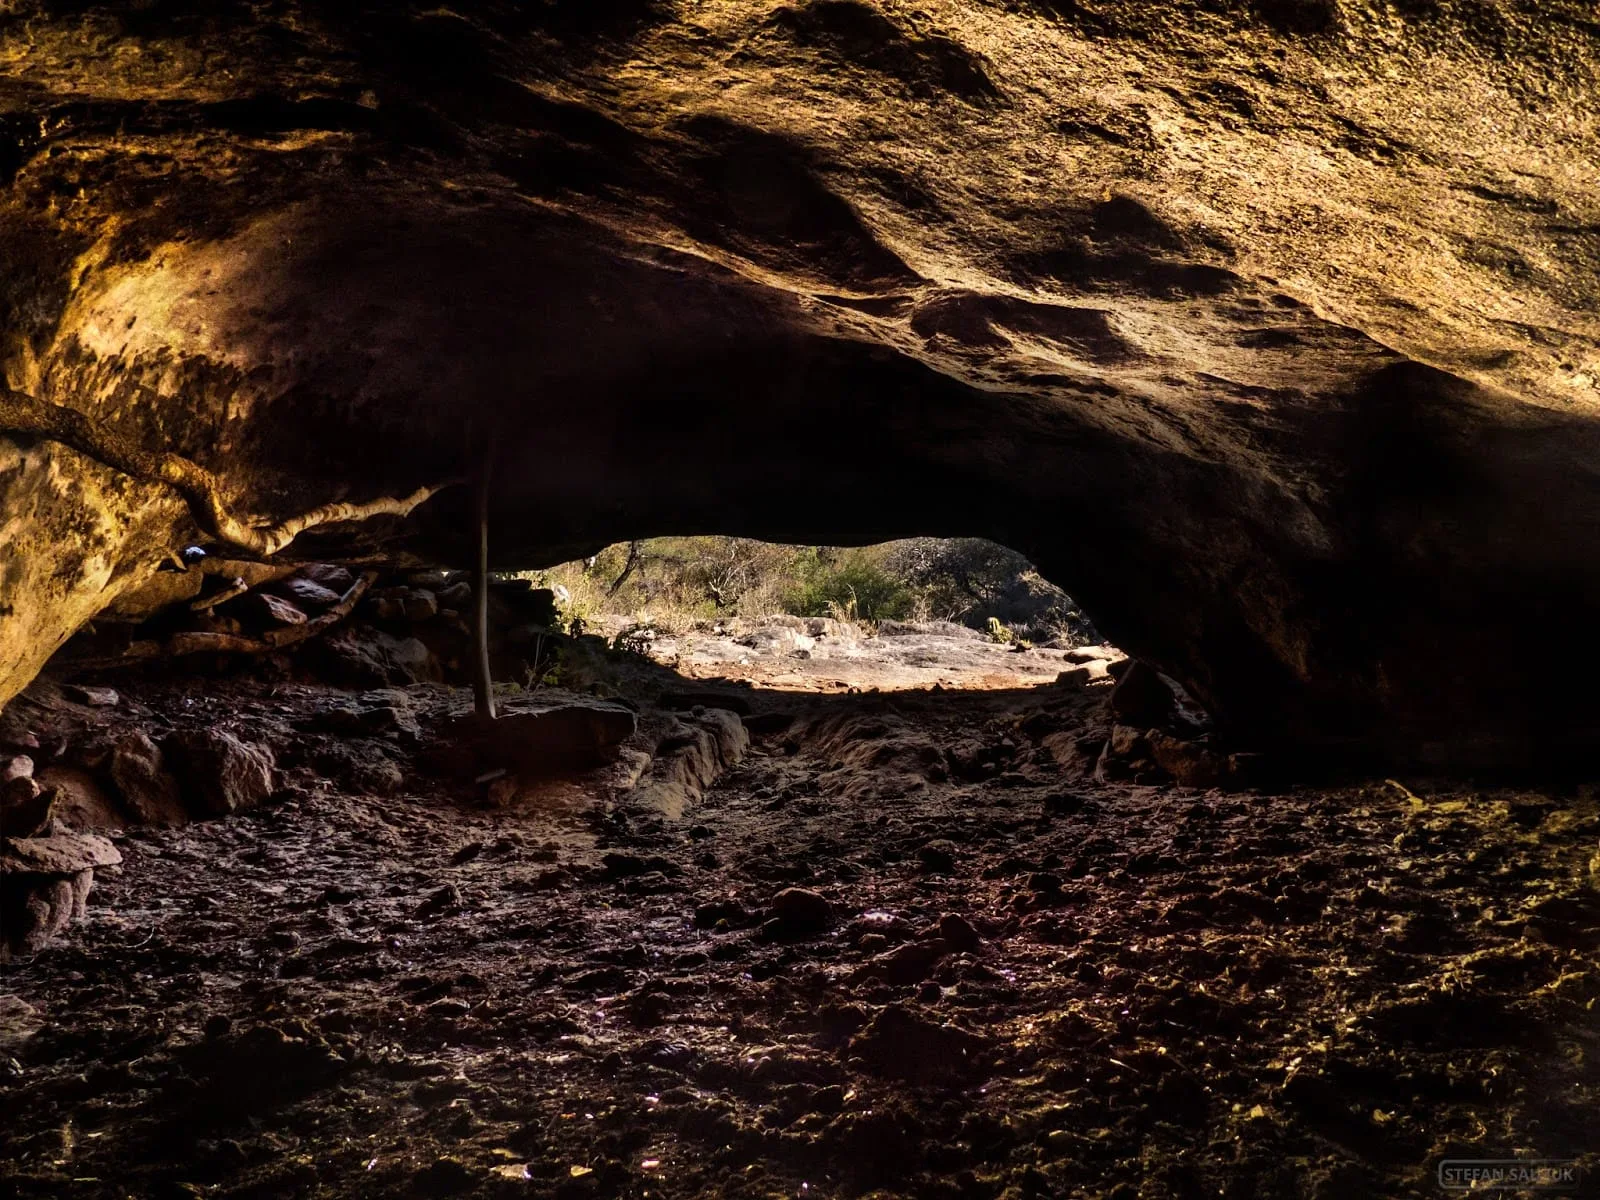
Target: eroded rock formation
(1265, 327)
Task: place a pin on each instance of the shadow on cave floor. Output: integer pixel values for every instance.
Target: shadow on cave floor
(915, 943)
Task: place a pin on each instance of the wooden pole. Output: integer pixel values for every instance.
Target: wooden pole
(482, 681)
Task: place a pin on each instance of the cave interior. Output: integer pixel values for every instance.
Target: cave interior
(374, 822)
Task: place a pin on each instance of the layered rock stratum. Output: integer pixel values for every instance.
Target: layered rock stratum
(1266, 328)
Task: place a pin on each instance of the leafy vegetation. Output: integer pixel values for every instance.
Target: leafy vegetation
(677, 582)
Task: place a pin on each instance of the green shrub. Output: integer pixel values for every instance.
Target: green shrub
(851, 587)
(676, 582)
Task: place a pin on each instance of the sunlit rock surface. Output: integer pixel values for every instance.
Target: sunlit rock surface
(1266, 328)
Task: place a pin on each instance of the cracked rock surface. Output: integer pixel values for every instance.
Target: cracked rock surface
(1266, 329)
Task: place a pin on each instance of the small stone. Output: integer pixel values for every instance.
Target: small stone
(24, 739)
(219, 773)
(420, 605)
(37, 906)
(1142, 697)
(1191, 764)
(446, 898)
(801, 911)
(307, 594)
(1127, 741)
(908, 964)
(1089, 654)
(137, 769)
(95, 697)
(329, 575)
(938, 857)
(274, 610)
(707, 916)
(17, 766)
(25, 807)
(457, 596)
(958, 931)
(1064, 804)
(19, 1021)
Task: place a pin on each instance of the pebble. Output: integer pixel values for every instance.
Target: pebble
(276, 610)
(329, 575)
(309, 594)
(447, 897)
(958, 931)
(1064, 804)
(95, 697)
(710, 914)
(800, 910)
(873, 943)
(938, 857)
(907, 964)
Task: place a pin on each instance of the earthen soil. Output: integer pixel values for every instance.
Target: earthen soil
(1023, 982)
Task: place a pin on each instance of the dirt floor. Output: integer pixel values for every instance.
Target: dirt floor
(1000, 978)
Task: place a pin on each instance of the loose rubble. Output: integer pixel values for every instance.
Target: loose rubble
(985, 943)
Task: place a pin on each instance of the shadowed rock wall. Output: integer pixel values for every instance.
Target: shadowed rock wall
(1267, 329)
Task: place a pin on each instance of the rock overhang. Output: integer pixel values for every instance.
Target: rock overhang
(1223, 316)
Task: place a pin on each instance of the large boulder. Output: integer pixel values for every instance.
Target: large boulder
(1266, 329)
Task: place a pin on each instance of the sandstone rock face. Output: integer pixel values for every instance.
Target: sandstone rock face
(1267, 329)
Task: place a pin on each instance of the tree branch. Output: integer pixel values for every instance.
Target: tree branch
(201, 489)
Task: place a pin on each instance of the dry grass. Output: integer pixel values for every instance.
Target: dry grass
(674, 584)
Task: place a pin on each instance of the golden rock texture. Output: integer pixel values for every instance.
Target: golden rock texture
(1267, 328)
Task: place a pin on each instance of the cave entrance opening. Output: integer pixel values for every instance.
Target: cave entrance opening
(918, 612)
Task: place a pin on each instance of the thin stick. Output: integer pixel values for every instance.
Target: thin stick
(20, 413)
(482, 681)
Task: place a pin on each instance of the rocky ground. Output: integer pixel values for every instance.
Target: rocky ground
(818, 654)
(792, 943)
